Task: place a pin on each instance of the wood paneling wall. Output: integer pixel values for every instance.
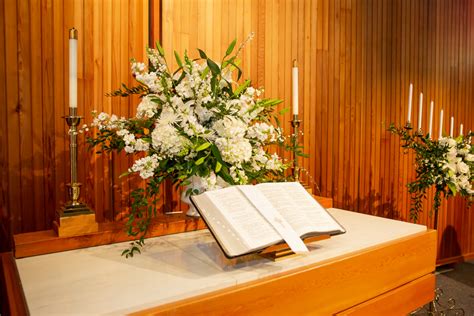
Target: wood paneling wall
(356, 59)
(34, 87)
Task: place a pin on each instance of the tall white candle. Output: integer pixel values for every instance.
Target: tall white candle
(410, 95)
(451, 128)
(295, 87)
(461, 127)
(73, 68)
(431, 119)
(441, 124)
(420, 111)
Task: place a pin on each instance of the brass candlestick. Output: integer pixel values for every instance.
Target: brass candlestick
(74, 187)
(295, 123)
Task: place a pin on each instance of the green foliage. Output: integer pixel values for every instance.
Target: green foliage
(433, 160)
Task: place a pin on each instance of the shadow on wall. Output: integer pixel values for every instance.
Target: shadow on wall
(449, 246)
(373, 204)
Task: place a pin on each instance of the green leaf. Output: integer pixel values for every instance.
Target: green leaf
(205, 72)
(452, 187)
(242, 87)
(202, 54)
(218, 167)
(126, 173)
(159, 48)
(200, 161)
(230, 48)
(283, 111)
(203, 146)
(214, 67)
(215, 151)
(178, 60)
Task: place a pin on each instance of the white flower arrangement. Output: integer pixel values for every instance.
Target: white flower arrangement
(446, 164)
(193, 122)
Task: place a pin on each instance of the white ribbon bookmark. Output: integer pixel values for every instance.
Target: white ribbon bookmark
(280, 224)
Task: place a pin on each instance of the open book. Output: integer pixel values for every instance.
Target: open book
(248, 218)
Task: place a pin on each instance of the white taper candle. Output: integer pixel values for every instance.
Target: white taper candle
(441, 124)
(431, 119)
(295, 87)
(410, 96)
(451, 128)
(461, 128)
(420, 112)
(73, 68)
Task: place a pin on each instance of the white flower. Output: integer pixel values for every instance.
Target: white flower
(262, 132)
(147, 108)
(274, 163)
(469, 157)
(238, 175)
(168, 116)
(462, 168)
(151, 80)
(166, 139)
(137, 68)
(122, 132)
(129, 149)
(230, 126)
(145, 166)
(234, 150)
(141, 145)
(447, 141)
(129, 139)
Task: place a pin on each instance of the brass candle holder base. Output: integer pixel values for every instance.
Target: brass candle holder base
(67, 224)
(75, 218)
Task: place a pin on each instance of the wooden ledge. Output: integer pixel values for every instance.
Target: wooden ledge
(47, 241)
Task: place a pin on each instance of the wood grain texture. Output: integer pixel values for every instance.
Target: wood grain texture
(356, 61)
(12, 298)
(34, 156)
(311, 290)
(415, 294)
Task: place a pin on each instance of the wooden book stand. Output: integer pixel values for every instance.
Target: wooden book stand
(282, 251)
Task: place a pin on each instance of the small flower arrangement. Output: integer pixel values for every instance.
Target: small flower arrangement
(446, 164)
(195, 121)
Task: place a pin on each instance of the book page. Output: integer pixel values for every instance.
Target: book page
(245, 219)
(226, 235)
(265, 207)
(299, 208)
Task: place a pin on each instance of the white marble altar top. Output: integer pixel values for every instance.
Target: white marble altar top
(98, 280)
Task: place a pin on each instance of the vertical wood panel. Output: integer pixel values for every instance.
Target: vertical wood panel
(356, 61)
(34, 92)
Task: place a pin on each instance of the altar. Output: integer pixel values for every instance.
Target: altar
(379, 265)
